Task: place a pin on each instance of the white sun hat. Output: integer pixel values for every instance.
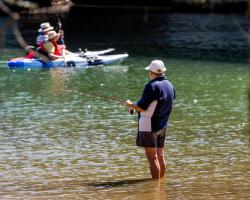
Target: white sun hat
(156, 66)
(44, 27)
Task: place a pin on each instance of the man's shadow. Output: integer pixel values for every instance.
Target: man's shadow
(118, 183)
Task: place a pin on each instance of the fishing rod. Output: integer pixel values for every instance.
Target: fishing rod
(98, 95)
(131, 111)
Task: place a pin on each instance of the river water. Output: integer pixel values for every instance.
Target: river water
(63, 145)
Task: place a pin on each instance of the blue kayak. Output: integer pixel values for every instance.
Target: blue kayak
(68, 61)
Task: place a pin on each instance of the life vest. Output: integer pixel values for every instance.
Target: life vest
(61, 47)
(57, 49)
(30, 55)
(43, 51)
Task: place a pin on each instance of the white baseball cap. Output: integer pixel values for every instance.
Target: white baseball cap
(156, 66)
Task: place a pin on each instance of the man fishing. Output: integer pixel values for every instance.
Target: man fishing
(154, 108)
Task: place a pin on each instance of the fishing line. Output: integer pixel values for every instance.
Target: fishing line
(98, 96)
(131, 111)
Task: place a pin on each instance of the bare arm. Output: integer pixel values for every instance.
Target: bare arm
(133, 106)
(53, 56)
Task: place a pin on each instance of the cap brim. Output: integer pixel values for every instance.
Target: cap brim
(147, 68)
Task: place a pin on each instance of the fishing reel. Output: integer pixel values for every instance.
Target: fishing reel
(131, 111)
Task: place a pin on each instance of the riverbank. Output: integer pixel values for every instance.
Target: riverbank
(172, 6)
(180, 6)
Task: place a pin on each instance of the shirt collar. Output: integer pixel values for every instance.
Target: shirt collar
(159, 78)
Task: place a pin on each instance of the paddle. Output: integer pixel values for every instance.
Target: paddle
(61, 40)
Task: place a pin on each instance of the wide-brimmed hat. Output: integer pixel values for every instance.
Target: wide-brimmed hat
(44, 27)
(52, 35)
(156, 66)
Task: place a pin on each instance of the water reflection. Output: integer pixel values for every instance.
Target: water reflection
(57, 80)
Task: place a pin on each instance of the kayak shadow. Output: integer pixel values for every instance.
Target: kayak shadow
(118, 183)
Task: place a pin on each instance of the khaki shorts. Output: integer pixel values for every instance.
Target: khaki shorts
(151, 139)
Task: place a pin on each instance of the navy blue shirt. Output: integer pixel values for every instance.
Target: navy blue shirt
(157, 100)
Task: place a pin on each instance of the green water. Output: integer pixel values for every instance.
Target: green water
(62, 145)
(57, 144)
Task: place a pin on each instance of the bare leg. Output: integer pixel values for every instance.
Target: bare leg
(154, 164)
(161, 159)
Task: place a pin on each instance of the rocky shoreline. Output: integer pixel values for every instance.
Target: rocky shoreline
(225, 6)
(192, 6)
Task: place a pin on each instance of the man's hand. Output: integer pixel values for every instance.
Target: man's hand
(129, 103)
(131, 111)
(132, 106)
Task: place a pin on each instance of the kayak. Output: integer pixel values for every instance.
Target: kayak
(74, 60)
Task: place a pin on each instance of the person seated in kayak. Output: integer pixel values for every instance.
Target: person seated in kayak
(52, 49)
(40, 49)
(30, 52)
(43, 32)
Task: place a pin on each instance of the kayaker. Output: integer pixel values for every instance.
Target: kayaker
(154, 108)
(42, 32)
(51, 48)
(30, 52)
